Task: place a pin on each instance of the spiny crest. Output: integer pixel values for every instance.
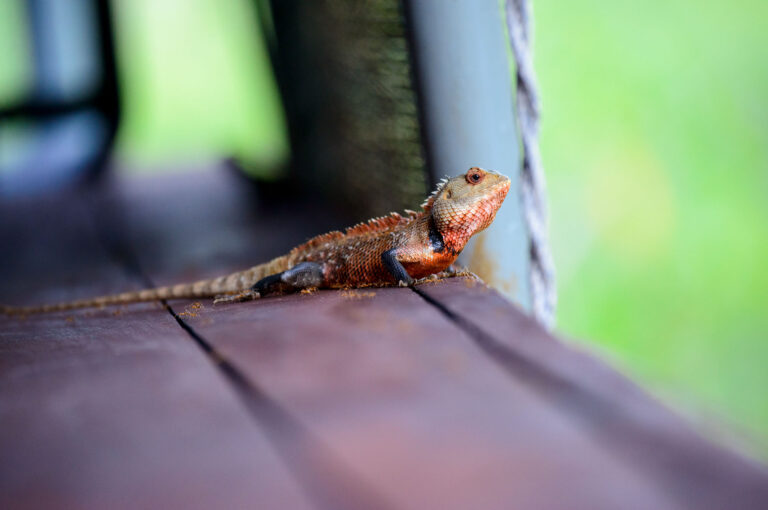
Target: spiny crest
(427, 205)
(320, 240)
(380, 224)
(373, 225)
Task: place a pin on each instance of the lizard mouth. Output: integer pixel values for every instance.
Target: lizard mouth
(499, 192)
(501, 189)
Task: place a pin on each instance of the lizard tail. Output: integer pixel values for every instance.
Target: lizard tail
(235, 282)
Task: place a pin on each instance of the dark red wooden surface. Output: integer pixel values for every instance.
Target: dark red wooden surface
(446, 397)
(113, 408)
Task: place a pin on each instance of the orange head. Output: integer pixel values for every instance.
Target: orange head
(467, 204)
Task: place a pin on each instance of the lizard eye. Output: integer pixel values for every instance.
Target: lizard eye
(475, 175)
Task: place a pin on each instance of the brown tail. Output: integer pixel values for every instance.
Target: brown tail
(234, 282)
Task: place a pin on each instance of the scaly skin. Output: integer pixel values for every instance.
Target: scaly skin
(383, 251)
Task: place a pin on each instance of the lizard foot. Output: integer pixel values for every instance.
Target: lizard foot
(454, 271)
(431, 278)
(246, 295)
(451, 272)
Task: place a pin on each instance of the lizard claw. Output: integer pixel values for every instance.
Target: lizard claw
(430, 278)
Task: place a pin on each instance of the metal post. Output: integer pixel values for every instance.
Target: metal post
(464, 76)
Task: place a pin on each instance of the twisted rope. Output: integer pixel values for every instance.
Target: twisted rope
(533, 187)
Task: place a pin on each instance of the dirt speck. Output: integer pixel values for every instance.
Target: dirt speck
(192, 310)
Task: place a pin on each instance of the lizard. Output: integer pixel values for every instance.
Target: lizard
(390, 250)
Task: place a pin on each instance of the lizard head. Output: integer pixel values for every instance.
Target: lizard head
(467, 204)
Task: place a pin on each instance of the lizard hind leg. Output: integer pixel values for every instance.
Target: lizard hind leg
(300, 276)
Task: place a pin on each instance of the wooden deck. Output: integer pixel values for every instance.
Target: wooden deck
(443, 397)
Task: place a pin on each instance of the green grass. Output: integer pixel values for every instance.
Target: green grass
(655, 141)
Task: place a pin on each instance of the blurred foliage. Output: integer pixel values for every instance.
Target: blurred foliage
(197, 83)
(15, 63)
(655, 141)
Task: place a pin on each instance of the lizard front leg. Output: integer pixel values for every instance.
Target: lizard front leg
(395, 268)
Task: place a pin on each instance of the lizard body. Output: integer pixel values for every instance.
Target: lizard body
(388, 250)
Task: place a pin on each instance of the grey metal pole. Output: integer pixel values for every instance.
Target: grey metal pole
(464, 75)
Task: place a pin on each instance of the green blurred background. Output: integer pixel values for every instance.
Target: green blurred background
(655, 143)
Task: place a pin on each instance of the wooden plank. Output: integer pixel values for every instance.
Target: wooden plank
(108, 412)
(406, 400)
(604, 404)
(113, 410)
